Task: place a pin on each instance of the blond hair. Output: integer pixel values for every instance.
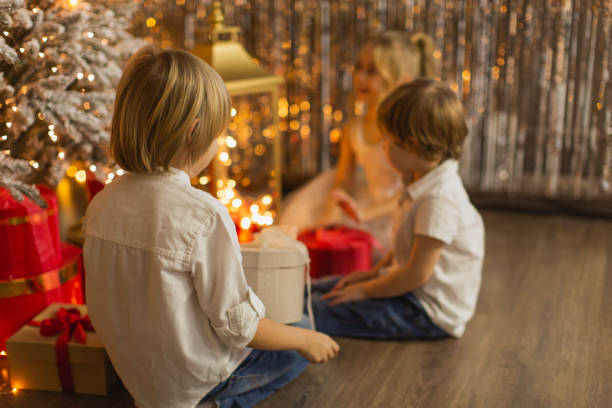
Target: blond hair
(396, 55)
(161, 93)
(425, 116)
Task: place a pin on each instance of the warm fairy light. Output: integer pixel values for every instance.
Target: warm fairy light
(203, 180)
(230, 142)
(34, 164)
(245, 223)
(120, 172)
(73, 2)
(71, 171)
(3, 353)
(80, 176)
(229, 193)
(223, 156)
(80, 75)
(35, 10)
(14, 390)
(41, 54)
(236, 203)
(90, 34)
(92, 168)
(61, 155)
(54, 69)
(14, 108)
(151, 22)
(91, 77)
(111, 176)
(305, 106)
(45, 39)
(254, 208)
(22, 50)
(6, 33)
(233, 112)
(9, 124)
(466, 75)
(266, 200)
(231, 183)
(3, 138)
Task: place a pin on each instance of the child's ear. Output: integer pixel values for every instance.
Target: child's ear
(191, 131)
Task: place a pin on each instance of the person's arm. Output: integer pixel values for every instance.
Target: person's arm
(314, 346)
(234, 311)
(424, 255)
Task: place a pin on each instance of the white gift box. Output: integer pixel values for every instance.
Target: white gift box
(275, 268)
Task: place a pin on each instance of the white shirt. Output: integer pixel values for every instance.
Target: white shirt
(166, 291)
(438, 206)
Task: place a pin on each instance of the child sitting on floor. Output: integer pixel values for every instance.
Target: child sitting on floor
(427, 286)
(165, 286)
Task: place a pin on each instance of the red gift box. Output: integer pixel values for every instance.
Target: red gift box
(29, 236)
(36, 269)
(338, 250)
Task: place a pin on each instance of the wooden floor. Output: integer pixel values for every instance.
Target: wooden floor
(541, 336)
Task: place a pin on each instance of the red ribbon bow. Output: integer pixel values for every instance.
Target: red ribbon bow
(69, 323)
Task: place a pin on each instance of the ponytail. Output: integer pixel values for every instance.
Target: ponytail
(425, 45)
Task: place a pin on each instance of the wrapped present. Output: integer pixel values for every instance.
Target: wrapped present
(275, 265)
(29, 236)
(59, 351)
(338, 250)
(23, 298)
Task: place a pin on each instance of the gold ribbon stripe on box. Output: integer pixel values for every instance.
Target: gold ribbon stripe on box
(35, 218)
(38, 283)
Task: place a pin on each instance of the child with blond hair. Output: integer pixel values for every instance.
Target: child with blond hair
(165, 286)
(364, 173)
(428, 285)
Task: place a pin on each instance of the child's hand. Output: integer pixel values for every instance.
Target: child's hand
(350, 293)
(347, 204)
(356, 276)
(318, 347)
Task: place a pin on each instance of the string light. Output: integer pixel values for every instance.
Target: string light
(3, 138)
(80, 176)
(61, 155)
(92, 168)
(54, 69)
(203, 180)
(90, 34)
(90, 77)
(245, 223)
(231, 142)
(120, 172)
(41, 54)
(34, 164)
(9, 124)
(79, 75)
(266, 200)
(236, 203)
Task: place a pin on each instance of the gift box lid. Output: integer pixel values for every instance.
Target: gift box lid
(27, 344)
(267, 258)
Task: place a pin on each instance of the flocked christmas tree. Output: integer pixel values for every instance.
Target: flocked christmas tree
(60, 62)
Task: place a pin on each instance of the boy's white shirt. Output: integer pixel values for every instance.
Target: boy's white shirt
(438, 206)
(166, 290)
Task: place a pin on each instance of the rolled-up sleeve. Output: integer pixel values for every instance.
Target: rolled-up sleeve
(233, 309)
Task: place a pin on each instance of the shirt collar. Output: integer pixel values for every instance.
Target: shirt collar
(179, 175)
(433, 177)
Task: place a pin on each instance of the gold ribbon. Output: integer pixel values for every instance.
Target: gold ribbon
(40, 283)
(35, 218)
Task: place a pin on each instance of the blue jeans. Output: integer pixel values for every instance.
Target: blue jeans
(400, 317)
(258, 376)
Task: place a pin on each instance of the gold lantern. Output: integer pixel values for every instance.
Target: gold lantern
(247, 170)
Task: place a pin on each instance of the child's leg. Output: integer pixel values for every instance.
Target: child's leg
(400, 317)
(325, 284)
(259, 375)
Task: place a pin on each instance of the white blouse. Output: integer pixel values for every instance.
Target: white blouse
(165, 287)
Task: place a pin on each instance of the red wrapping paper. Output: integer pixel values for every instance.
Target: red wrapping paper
(29, 236)
(15, 311)
(337, 250)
